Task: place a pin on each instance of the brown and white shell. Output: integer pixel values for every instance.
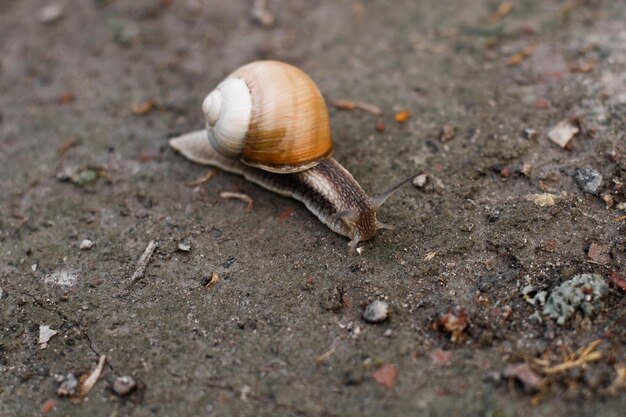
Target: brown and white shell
(269, 115)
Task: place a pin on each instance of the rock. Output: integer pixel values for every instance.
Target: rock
(86, 244)
(184, 247)
(542, 200)
(584, 292)
(531, 382)
(599, 254)
(69, 384)
(50, 13)
(376, 312)
(562, 133)
(62, 278)
(124, 385)
(529, 133)
(386, 375)
(420, 180)
(589, 180)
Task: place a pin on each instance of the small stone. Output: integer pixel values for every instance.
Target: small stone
(589, 180)
(440, 357)
(376, 312)
(621, 206)
(68, 386)
(429, 183)
(184, 247)
(447, 133)
(50, 13)
(608, 200)
(124, 385)
(62, 278)
(529, 133)
(388, 333)
(420, 180)
(599, 254)
(562, 133)
(86, 244)
(584, 292)
(542, 200)
(531, 382)
(386, 375)
(618, 280)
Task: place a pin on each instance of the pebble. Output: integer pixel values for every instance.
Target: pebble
(68, 386)
(184, 247)
(562, 133)
(86, 244)
(50, 13)
(589, 180)
(530, 133)
(124, 385)
(376, 312)
(584, 292)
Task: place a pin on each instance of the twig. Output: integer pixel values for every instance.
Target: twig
(579, 358)
(201, 180)
(351, 105)
(239, 196)
(92, 378)
(143, 261)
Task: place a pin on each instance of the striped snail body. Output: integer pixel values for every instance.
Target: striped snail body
(268, 122)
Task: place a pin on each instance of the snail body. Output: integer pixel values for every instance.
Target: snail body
(267, 121)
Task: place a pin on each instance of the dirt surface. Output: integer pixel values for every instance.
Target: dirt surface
(90, 96)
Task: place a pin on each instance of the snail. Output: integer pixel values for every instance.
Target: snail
(268, 122)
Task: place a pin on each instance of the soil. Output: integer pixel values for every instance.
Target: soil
(92, 92)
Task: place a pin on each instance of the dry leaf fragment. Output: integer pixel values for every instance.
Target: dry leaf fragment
(66, 97)
(144, 108)
(239, 196)
(214, 280)
(352, 105)
(66, 145)
(386, 375)
(402, 116)
(430, 255)
(503, 9)
(455, 322)
(522, 55)
(286, 213)
(45, 334)
(542, 200)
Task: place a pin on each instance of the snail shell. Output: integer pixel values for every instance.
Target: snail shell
(270, 115)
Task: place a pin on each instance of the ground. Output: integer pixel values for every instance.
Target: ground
(92, 92)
